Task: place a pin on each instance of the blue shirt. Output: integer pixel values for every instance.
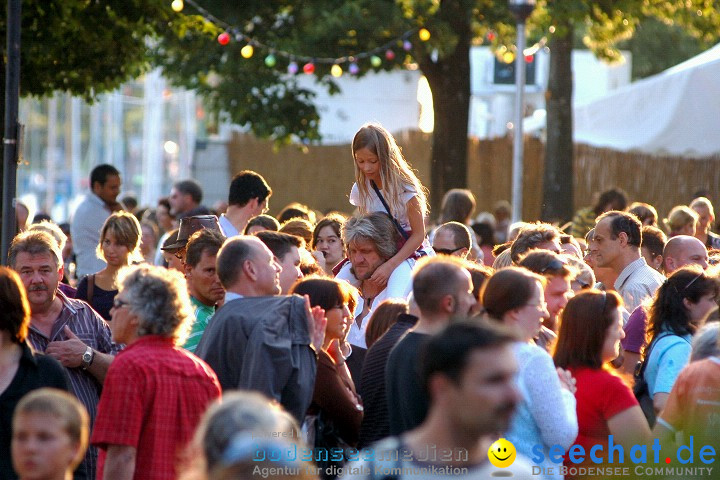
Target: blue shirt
(669, 356)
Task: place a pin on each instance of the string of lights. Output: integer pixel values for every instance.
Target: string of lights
(233, 33)
(388, 50)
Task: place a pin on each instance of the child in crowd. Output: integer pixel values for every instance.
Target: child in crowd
(50, 435)
(385, 182)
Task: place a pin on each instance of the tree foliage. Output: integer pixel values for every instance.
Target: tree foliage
(271, 103)
(85, 47)
(606, 23)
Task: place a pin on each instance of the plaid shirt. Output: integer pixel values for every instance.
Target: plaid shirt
(152, 400)
(89, 327)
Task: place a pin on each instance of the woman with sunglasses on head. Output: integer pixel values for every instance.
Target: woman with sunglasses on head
(679, 307)
(546, 415)
(588, 339)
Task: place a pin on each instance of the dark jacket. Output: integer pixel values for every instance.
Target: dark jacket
(35, 371)
(263, 344)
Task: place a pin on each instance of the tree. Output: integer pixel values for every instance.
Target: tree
(270, 102)
(85, 48)
(606, 23)
(657, 46)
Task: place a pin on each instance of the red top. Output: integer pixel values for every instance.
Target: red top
(600, 396)
(152, 399)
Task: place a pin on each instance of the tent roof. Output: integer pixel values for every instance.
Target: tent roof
(675, 112)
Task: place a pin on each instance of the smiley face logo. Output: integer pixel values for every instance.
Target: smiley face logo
(502, 453)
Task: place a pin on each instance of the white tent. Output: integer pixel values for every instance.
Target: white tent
(676, 112)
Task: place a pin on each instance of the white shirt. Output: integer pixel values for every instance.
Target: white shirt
(85, 227)
(637, 282)
(227, 228)
(230, 296)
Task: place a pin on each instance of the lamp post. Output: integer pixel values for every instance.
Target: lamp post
(522, 10)
(10, 135)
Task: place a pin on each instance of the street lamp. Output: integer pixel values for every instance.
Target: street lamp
(522, 10)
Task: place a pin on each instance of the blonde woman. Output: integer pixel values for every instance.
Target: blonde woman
(119, 246)
(681, 220)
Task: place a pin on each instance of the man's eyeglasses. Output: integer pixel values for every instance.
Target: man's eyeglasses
(117, 303)
(447, 251)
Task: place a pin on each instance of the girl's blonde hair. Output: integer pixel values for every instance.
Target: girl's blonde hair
(395, 172)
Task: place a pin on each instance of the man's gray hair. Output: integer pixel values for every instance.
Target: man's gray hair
(376, 227)
(159, 298)
(53, 229)
(240, 411)
(34, 242)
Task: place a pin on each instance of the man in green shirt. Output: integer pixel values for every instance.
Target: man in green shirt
(203, 283)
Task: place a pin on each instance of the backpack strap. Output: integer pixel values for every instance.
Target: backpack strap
(641, 372)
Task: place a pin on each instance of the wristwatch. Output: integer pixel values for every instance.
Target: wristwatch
(87, 358)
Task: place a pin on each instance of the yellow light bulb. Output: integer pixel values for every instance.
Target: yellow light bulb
(508, 57)
(336, 71)
(177, 5)
(424, 34)
(247, 51)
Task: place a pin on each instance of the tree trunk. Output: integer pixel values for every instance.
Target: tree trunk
(449, 80)
(558, 178)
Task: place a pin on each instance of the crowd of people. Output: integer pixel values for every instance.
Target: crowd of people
(183, 342)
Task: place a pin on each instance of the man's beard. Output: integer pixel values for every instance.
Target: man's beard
(368, 274)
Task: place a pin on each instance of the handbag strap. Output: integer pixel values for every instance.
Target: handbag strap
(387, 209)
(90, 287)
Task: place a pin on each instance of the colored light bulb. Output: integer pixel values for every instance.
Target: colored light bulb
(223, 38)
(247, 51)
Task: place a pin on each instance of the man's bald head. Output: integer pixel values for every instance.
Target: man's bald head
(683, 250)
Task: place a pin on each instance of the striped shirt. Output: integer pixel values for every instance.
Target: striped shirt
(89, 327)
(203, 314)
(637, 282)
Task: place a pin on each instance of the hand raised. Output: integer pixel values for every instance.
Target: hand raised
(316, 324)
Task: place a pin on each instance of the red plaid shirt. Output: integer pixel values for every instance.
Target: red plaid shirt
(152, 399)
